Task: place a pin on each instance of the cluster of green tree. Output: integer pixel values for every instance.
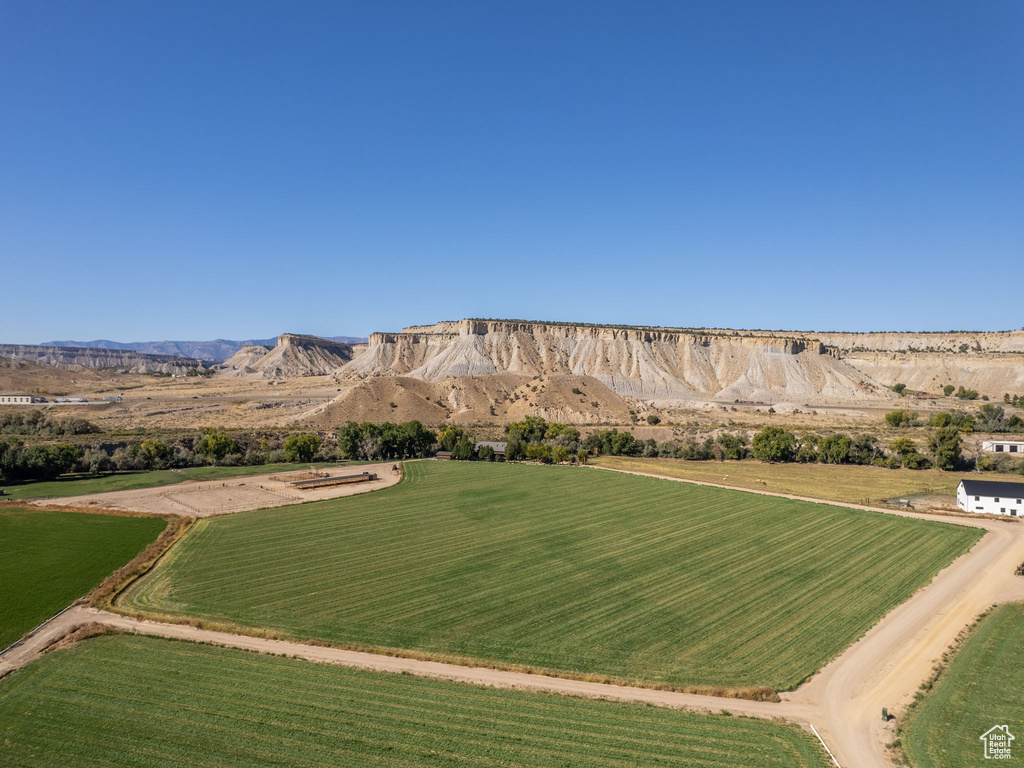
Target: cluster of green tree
(35, 462)
(725, 446)
(780, 445)
(901, 417)
(992, 418)
(206, 372)
(212, 446)
(961, 420)
(387, 441)
(1000, 462)
(38, 424)
(536, 439)
(966, 394)
(775, 444)
(1017, 401)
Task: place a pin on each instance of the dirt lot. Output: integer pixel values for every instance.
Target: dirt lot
(221, 497)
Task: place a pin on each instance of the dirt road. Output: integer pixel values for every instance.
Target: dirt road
(843, 701)
(80, 615)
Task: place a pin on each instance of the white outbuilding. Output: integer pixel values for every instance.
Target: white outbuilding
(991, 497)
(20, 399)
(1003, 446)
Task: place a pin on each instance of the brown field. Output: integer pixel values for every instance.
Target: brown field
(852, 484)
(239, 494)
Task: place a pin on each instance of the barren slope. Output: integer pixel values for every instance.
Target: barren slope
(656, 365)
(294, 355)
(497, 398)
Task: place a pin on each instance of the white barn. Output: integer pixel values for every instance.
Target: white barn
(1003, 446)
(991, 497)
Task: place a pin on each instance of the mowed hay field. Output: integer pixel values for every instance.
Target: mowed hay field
(983, 687)
(831, 482)
(177, 703)
(565, 569)
(50, 559)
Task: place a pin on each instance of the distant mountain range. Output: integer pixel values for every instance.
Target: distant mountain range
(217, 350)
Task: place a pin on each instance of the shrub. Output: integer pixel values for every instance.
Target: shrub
(774, 444)
(899, 389)
(835, 449)
(215, 445)
(486, 453)
(463, 449)
(948, 390)
(732, 446)
(301, 447)
(906, 454)
(967, 394)
(959, 419)
(945, 446)
(652, 419)
(901, 418)
(539, 452)
(515, 450)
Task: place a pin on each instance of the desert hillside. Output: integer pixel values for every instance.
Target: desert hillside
(659, 365)
(294, 355)
(666, 365)
(83, 358)
(500, 398)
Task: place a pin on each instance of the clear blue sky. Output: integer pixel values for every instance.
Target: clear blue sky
(190, 170)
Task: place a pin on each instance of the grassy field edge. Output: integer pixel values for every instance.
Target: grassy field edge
(760, 740)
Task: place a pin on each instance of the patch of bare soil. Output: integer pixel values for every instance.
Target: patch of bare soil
(240, 494)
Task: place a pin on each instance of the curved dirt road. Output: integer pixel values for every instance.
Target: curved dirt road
(843, 700)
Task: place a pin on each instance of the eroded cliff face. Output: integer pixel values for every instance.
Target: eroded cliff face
(654, 364)
(92, 358)
(293, 355)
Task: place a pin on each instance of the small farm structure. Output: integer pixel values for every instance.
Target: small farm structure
(1003, 446)
(443, 455)
(328, 481)
(991, 497)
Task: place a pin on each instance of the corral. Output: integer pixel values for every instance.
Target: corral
(572, 570)
(329, 481)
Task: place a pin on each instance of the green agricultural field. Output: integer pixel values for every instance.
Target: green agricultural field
(129, 481)
(50, 559)
(180, 703)
(568, 569)
(983, 687)
(830, 482)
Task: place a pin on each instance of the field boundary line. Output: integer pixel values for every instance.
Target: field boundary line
(825, 745)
